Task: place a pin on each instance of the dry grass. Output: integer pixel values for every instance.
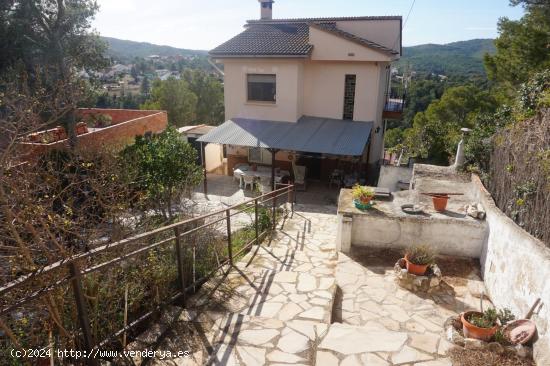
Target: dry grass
(467, 357)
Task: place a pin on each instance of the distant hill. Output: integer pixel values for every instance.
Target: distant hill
(127, 50)
(457, 58)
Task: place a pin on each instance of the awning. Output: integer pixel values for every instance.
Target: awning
(309, 134)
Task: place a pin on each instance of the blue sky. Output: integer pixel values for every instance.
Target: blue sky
(203, 24)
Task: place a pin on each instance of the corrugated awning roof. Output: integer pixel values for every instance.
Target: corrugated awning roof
(309, 134)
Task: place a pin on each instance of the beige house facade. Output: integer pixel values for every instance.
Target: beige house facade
(318, 69)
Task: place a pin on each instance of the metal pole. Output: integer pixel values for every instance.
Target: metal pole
(256, 223)
(274, 212)
(179, 257)
(273, 152)
(203, 160)
(229, 247)
(82, 312)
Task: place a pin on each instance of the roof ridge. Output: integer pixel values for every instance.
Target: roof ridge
(304, 20)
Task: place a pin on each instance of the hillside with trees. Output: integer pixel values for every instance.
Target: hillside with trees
(463, 58)
(128, 50)
(508, 145)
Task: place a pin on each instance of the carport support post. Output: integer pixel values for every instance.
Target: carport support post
(273, 152)
(203, 160)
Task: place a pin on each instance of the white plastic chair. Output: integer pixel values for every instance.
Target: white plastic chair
(238, 169)
(249, 180)
(299, 176)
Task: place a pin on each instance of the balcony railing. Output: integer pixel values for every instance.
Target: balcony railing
(395, 103)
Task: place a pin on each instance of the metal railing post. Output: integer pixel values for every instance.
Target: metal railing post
(82, 312)
(274, 211)
(229, 246)
(256, 223)
(179, 258)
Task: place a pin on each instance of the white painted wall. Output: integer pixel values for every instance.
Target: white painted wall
(289, 77)
(516, 269)
(447, 237)
(384, 32)
(390, 175)
(330, 47)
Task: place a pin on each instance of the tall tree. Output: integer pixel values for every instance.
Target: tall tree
(209, 91)
(175, 97)
(47, 41)
(523, 46)
(50, 35)
(436, 132)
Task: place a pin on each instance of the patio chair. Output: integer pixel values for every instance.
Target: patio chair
(242, 167)
(335, 178)
(299, 177)
(249, 180)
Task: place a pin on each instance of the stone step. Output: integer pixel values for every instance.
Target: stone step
(249, 340)
(345, 344)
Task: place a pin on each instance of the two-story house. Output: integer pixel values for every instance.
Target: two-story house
(309, 92)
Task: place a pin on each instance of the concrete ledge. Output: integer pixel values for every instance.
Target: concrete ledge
(386, 226)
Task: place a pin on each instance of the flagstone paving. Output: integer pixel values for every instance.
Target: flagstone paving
(294, 300)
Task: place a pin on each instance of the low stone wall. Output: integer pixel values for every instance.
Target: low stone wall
(516, 269)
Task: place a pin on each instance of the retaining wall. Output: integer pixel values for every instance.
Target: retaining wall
(516, 269)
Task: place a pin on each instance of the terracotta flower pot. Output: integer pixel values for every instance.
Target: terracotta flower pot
(416, 269)
(365, 199)
(471, 331)
(440, 202)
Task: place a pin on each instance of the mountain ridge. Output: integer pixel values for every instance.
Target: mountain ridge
(125, 50)
(456, 58)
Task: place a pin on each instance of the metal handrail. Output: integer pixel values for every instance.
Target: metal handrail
(76, 273)
(121, 243)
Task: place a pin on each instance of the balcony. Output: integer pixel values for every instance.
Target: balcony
(393, 108)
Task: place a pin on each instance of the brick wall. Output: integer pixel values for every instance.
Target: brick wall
(127, 125)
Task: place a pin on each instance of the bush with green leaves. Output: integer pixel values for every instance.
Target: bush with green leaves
(535, 93)
(478, 144)
(491, 317)
(163, 167)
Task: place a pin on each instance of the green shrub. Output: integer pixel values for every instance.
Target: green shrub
(420, 254)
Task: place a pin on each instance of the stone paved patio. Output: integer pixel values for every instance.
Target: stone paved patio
(388, 325)
(295, 300)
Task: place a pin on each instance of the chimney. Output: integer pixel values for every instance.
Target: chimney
(267, 9)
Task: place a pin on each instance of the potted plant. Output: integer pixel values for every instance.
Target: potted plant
(484, 325)
(440, 202)
(418, 258)
(363, 194)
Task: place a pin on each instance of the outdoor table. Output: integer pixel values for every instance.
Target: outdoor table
(259, 174)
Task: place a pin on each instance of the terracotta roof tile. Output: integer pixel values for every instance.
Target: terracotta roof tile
(268, 40)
